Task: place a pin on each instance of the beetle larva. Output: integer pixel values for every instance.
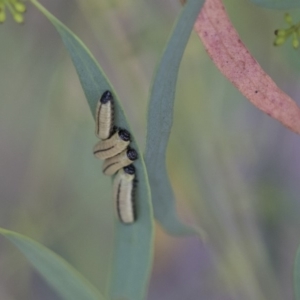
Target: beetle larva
(105, 116)
(115, 163)
(124, 183)
(112, 146)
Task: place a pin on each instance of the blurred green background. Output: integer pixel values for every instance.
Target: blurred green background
(235, 171)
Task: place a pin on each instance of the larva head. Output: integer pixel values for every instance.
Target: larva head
(130, 170)
(124, 135)
(106, 97)
(132, 154)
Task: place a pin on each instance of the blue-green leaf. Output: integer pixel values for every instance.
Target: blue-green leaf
(67, 282)
(278, 4)
(160, 119)
(133, 243)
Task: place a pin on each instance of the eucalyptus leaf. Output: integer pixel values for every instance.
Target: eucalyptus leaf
(67, 282)
(160, 120)
(133, 248)
(278, 4)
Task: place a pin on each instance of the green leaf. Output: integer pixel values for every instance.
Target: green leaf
(160, 119)
(133, 255)
(278, 4)
(297, 275)
(67, 282)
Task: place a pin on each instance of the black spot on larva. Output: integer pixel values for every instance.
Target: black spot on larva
(106, 97)
(132, 154)
(124, 135)
(256, 92)
(129, 169)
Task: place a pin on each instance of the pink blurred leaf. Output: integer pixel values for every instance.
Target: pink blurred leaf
(230, 55)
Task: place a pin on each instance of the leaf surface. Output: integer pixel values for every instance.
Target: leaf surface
(133, 248)
(233, 59)
(160, 119)
(67, 282)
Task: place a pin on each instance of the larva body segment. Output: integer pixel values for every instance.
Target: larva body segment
(115, 163)
(112, 146)
(105, 116)
(124, 183)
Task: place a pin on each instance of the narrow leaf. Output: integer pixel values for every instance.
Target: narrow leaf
(278, 4)
(67, 282)
(227, 51)
(133, 243)
(160, 119)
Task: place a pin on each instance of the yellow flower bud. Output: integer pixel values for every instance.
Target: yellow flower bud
(288, 19)
(295, 41)
(279, 41)
(295, 44)
(19, 18)
(2, 16)
(20, 7)
(280, 32)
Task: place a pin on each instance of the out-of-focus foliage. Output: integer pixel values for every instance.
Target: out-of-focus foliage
(235, 171)
(15, 7)
(62, 277)
(160, 120)
(278, 4)
(297, 275)
(284, 33)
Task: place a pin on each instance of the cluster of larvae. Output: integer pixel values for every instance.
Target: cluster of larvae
(118, 157)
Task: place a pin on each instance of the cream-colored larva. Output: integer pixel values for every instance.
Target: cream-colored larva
(105, 116)
(115, 163)
(112, 146)
(123, 194)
